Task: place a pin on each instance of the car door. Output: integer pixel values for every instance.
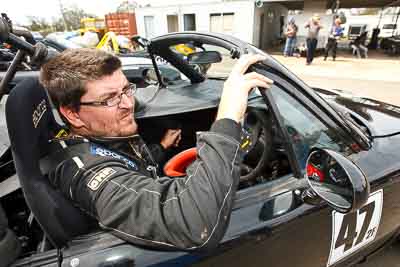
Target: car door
(357, 234)
(271, 225)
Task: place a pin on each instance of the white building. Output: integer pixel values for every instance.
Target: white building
(260, 26)
(242, 19)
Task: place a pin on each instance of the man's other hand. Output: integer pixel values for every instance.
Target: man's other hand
(233, 102)
(171, 138)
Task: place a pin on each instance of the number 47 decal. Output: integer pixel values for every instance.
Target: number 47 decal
(352, 231)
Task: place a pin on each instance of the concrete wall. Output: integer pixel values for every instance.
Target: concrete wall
(258, 12)
(242, 24)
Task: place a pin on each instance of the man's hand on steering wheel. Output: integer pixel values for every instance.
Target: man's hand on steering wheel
(237, 87)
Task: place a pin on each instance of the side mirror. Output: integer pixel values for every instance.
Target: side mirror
(204, 57)
(337, 180)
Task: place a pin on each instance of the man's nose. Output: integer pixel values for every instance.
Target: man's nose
(126, 101)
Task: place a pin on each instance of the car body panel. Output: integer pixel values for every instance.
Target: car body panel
(381, 118)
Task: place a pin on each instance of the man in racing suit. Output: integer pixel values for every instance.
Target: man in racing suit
(108, 172)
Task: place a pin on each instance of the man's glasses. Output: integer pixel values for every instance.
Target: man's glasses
(115, 100)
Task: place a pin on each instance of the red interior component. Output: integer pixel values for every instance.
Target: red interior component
(314, 171)
(177, 165)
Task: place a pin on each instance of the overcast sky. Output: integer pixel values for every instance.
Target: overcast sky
(18, 10)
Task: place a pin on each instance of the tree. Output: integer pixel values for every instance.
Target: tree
(127, 6)
(37, 24)
(73, 16)
(58, 25)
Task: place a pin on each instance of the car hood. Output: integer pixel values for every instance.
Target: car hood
(379, 117)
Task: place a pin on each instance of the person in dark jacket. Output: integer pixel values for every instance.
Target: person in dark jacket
(359, 46)
(334, 36)
(314, 26)
(109, 172)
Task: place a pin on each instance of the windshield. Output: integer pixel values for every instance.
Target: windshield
(223, 68)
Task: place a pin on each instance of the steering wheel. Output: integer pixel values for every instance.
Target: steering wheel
(256, 143)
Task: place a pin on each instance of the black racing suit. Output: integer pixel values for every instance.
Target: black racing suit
(119, 190)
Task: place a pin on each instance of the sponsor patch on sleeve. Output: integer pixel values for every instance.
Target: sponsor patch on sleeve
(101, 151)
(100, 177)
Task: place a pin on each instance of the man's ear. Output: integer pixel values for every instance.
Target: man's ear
(72, 116)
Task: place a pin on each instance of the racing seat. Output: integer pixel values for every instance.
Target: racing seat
(31, 124)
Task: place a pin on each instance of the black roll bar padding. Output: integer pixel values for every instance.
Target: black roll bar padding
(20, 44)
(7, 37)
(12, 69)
(38, 52)
(26, 34)
(4, 30)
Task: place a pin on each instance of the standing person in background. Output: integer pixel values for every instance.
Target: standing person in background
(291, 32)
(335, 34)
(313, 26)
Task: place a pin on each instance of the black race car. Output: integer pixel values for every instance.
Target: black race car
(320, 181)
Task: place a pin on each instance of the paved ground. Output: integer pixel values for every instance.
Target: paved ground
(389, 257)
(377, 77)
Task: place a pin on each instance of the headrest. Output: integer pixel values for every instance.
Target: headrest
(30, 118)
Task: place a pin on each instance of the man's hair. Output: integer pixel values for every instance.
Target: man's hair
(65, 76)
